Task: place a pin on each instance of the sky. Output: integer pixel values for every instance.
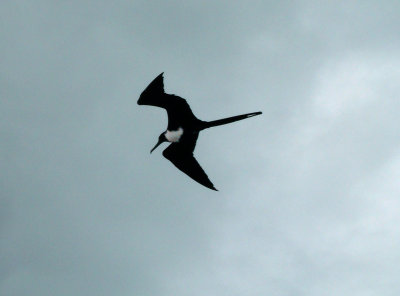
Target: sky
(308, 196)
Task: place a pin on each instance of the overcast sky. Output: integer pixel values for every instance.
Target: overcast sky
(309, 194)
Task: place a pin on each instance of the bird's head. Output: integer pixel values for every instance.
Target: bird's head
(161, 139)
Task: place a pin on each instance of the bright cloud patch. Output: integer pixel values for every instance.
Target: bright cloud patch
(352, 82)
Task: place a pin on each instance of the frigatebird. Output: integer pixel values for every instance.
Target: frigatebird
(183, 129)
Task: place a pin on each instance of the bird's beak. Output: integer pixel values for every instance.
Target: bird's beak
(158, 144)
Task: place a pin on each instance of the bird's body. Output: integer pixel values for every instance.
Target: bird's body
(174, 136)
(183, 129)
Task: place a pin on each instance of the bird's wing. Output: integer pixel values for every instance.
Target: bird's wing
(181, 155)
(153, 93)
(179, 112)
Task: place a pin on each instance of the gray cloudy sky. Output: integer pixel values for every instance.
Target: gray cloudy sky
(309, 194)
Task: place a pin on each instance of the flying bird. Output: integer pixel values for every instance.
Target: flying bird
(183, 129)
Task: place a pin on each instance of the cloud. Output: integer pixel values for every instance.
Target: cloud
(308, 193)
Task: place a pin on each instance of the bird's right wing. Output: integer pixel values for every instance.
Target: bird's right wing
(182, 157)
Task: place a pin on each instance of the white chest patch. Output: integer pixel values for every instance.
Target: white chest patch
(174, 136)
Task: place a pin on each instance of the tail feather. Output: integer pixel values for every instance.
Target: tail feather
(227, 120)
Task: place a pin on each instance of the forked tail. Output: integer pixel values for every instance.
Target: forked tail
(208, 124)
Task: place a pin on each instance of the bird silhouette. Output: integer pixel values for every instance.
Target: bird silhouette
(183, 129)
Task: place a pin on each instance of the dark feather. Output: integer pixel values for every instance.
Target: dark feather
(181, 155)
(178, 110)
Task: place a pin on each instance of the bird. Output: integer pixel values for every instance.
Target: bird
(183, 129)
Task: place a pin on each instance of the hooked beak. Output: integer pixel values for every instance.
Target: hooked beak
(158, 144)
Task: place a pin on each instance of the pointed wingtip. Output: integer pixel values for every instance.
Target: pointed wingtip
(159, 76)
(152, 92)
(213, 188)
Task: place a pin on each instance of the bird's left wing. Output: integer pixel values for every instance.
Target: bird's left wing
(179, 112)
(181, 155)
(153, 93)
